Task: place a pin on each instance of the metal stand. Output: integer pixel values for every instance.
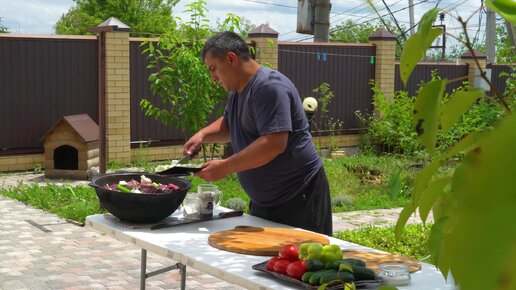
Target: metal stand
(144, 275)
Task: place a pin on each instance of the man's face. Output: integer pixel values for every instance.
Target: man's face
(221, 70)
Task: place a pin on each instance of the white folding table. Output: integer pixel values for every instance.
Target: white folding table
(188, 246)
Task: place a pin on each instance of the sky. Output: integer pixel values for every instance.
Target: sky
(39, 16)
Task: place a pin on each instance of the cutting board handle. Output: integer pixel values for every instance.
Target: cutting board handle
(248, 229)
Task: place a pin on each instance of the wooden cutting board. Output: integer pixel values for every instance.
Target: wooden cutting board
(374, 259)
(261, 241)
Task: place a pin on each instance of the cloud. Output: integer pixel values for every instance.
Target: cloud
(39, 16)
(32, 16)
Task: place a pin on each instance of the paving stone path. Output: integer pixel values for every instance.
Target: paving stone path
(41, 251)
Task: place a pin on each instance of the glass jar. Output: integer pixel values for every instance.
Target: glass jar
(395, 274)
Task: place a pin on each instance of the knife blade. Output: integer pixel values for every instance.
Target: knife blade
(184, 160)
(184, 221)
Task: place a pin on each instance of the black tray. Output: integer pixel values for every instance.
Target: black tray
(363, 284)
(179, 170)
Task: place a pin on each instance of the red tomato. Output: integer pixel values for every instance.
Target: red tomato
(289, 252)
(296, 269)
(271, 262)
(281, 266)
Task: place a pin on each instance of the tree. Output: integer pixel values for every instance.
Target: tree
(151, 17)
(180, 78)
(351, 32)
(472, 236)
(3, 29)
(233, 22)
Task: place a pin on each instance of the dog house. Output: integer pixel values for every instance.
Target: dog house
(71, 147)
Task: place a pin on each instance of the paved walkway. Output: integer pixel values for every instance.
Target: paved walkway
(41, 251)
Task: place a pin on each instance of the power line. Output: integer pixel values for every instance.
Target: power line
(272, 4)
(394, 19)
(326, 53)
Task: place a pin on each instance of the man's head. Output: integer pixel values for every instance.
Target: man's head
(227, 58)
(223, 42)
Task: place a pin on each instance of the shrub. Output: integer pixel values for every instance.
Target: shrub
(414, 242)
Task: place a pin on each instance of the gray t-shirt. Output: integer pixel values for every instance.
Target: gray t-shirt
(270, 103)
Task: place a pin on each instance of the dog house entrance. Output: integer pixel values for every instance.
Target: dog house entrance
(71, 147)
(66, 157)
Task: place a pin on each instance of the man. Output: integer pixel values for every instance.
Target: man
(274, 157)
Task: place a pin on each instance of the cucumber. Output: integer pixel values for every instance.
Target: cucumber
(332, 265)
(328, 277)
(315, 278)
(351, 261)
(363, 273)
(306, 276)
(346, 276)
(314, 265)
(354, 262)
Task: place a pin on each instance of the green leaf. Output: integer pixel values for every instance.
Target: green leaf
(387, 287)
(425, 24)
(403, 218)
(345, 267)
(464, 144)
(423, 179)
(426, 112)
(459, 103)
(482, 245)
(506, 8)
(413, 50)
(436, 245)
(428, 197)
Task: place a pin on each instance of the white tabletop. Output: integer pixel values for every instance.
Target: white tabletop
(188, 244)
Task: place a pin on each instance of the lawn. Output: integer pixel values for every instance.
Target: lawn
(356, 183)
(359, 182)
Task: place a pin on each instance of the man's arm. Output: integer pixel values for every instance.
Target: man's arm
(260, 152)
(216, 132)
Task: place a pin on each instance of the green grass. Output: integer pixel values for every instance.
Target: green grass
(414, 241)
(356, 183)
(74, 203)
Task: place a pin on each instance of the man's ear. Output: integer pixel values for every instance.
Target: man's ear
(232, 57)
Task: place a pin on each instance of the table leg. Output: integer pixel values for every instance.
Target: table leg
(182, 269)
(144, 275)
(143, 269)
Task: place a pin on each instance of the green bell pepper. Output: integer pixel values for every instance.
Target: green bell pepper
(310, 251)
(331, 253)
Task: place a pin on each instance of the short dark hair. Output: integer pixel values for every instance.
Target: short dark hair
(224, 42)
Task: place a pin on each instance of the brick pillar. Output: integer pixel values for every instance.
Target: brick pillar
(114, 38)
(473, 69)
(385, 60)
(118, 98)
(266, 40)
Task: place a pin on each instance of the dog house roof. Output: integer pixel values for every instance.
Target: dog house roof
(87, 129)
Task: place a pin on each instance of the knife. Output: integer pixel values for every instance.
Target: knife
(183, 221)
(184, 160)
(178, 169)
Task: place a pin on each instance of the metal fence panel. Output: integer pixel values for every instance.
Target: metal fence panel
(42, 80)
(423, 73)
(144, 128)
(346, 68)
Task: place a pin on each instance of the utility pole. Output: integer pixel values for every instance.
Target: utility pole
(511, 32)
(411, 16)
(322, 20)
(490, 35)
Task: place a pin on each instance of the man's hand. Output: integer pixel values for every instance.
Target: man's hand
(213, 170)
(193, 145)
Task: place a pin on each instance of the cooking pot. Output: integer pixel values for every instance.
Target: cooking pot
(139, 207)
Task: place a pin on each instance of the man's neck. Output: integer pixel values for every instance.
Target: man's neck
(249, 69)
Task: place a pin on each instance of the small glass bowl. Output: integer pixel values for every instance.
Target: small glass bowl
(395, 274)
